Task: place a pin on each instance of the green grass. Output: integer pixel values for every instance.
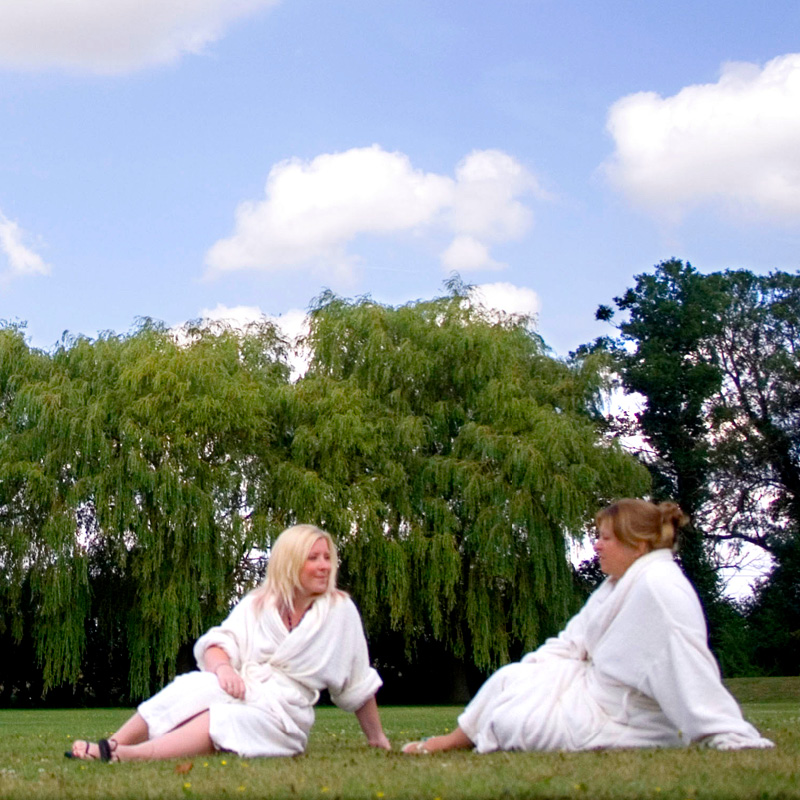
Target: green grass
(759, 690)
(339, 765)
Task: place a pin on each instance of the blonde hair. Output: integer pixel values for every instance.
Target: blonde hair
(286, 559)
(635, 521)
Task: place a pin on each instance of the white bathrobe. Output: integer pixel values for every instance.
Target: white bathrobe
(283, 673)
(631, 669)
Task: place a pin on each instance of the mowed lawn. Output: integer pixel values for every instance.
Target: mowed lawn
(339, 765)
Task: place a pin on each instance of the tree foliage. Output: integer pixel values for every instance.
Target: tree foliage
(661, 353)
(456, 456)
(124, 469)
(773, 617)
(448, 452)
(716, 358)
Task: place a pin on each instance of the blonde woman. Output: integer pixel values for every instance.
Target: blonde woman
(631, 669)
(261, 671)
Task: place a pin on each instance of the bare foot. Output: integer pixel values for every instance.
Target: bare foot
(104, 750)
(455, 740)
(415, 749)
(82, 750)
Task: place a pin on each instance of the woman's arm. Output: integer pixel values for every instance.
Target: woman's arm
(218, 662)
(370, 722)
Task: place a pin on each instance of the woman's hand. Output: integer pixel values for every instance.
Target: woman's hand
(381, 741)
(230, 681)
(216, 660)
(370, 722)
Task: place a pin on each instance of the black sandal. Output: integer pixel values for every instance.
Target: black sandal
(70, 754)
(105, 748)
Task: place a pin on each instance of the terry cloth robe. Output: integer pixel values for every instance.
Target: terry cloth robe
(283, 673)
(631, 669)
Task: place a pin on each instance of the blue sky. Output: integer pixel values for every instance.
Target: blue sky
(234, 157)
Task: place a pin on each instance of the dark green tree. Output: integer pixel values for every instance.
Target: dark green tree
(773, 616)
(716, 358)
(662, 354)
(755, 416)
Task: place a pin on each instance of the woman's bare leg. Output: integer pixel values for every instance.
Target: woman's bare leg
(455, 740)
(190, 739)
(133, 731)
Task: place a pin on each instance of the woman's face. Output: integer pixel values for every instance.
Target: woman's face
(316, 571)
(615, 556)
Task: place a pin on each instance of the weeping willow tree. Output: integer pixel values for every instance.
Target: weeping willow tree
(450, 454)
(453, 456)
(126, 468)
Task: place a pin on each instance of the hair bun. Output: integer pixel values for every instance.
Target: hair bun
(672, 518)
(671, 513)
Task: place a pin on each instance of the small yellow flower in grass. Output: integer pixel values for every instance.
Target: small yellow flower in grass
(240, 788)
(324, 789)
(187, 785)
(224, 763)
(205, 763)
(378, 795)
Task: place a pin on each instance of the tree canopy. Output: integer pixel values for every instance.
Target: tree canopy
(462, 456)
(716, 358)
(141, 475)
(124, 481)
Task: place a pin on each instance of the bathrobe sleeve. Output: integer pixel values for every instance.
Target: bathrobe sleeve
(572, 642)
(686, 681)
(355, 680)
(233, 635)
(660, 642)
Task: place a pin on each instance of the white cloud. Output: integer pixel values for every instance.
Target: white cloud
(21, 259)
(294, 325)
(314, 209)
(507, 298)
(467, 254)
(485, 203)
(733, 144)
(238, 317)
(112, 36)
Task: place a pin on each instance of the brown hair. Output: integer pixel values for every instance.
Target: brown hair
(634, 521)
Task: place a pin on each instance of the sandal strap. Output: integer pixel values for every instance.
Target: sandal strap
(107, 749)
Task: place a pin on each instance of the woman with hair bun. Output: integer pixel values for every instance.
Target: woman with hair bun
(631, 669)
(262, 669)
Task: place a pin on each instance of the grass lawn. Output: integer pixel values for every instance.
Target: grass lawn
(339, 765)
